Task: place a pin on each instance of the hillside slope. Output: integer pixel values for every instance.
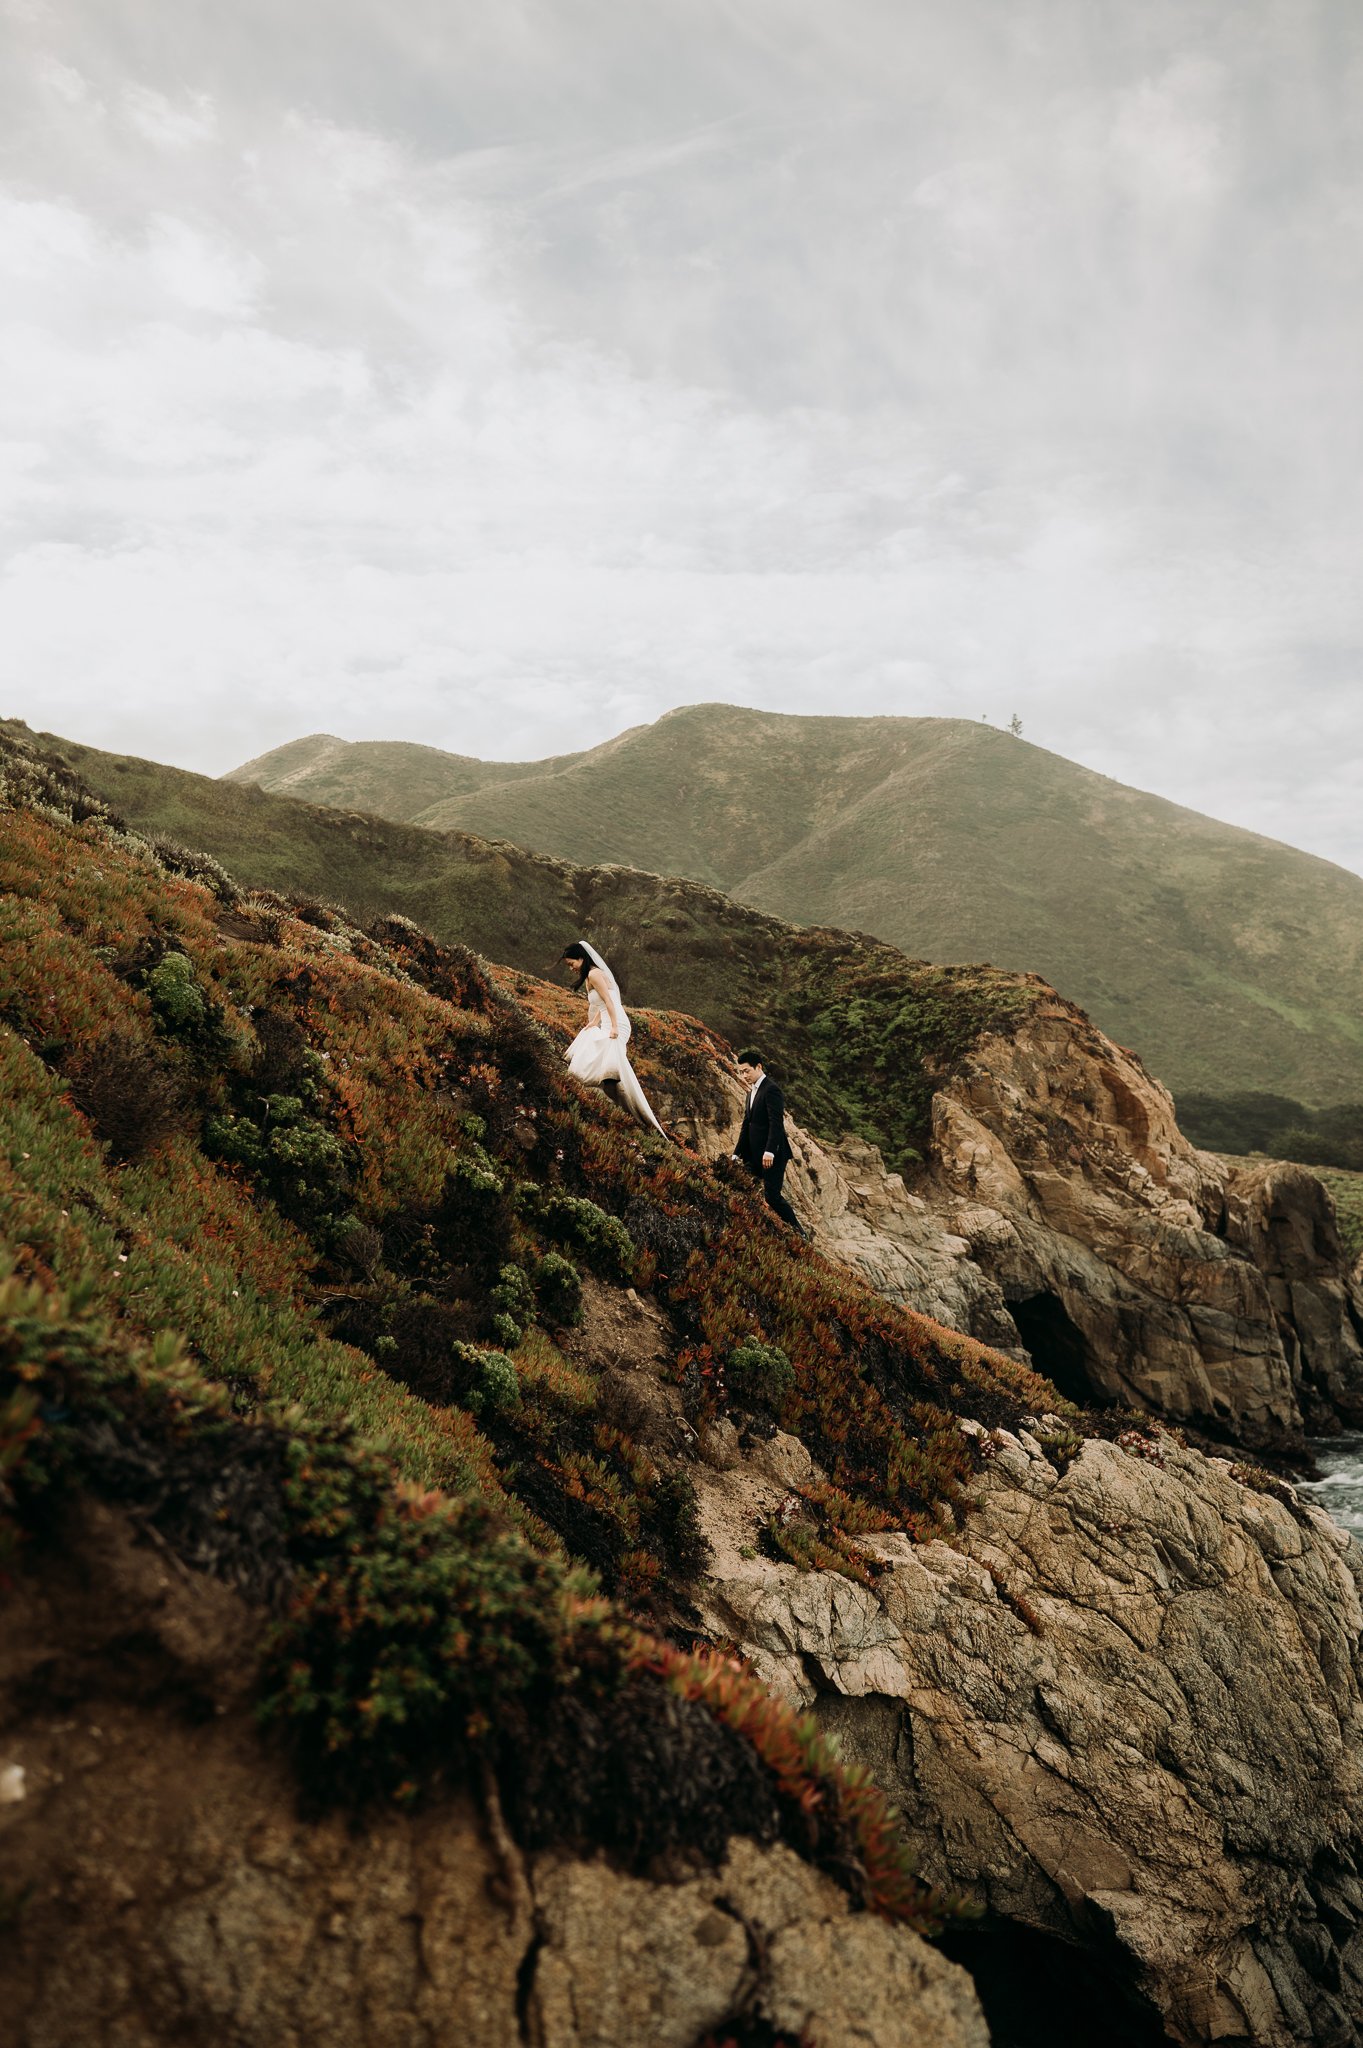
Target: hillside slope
(1033, 1139)
(450, 1333)
(311, 1401)
(1230, 961)
(864, 1033)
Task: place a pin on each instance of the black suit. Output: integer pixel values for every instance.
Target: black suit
(764, 1130)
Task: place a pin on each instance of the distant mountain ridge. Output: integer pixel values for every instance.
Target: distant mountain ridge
(1231, 962)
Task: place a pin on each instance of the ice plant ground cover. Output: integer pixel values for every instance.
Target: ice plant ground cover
(297, 1218)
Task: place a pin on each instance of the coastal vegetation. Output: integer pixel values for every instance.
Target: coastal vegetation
(298, 1222)
(865, 1034)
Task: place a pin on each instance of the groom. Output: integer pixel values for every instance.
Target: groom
(762, 1143)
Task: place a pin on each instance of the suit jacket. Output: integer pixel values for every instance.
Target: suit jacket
(764, 1126)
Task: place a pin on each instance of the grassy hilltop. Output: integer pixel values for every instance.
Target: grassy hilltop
(392, 778)
(865, 1032)
(1230, 962)
(299, 1226)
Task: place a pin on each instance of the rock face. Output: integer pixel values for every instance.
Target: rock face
(1063, 1214)
(1124, 1708)
(624, 1961)
(1133, 1265)
(1281, 1216)
(160, 1886)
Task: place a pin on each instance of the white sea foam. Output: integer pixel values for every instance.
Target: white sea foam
(1339, 1489)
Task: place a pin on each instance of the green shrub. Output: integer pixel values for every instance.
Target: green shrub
(512, 1303)
(499, 1385)
(603, 1240)
(473, 1177)
(176, 996)
(311, 1162)
(558, 1288)
(304, 1165)
(436, 1627)
(487, 1382)
(759, 1377)
(235, 1139)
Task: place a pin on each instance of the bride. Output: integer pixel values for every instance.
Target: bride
(598, 1053)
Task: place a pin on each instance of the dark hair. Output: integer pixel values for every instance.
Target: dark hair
(577, 951)
(751, 1059)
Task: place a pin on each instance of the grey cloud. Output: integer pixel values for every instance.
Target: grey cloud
(500, 375)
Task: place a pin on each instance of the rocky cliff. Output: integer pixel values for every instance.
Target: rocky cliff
(1063, 1215)
(1123, 1707)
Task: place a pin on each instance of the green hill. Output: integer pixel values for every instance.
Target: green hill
(1232, 963)
(389, 777)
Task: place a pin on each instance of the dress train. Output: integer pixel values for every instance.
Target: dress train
(595, 1057)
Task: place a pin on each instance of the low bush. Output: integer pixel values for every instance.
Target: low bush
(512, 1304)
(485, 1382)
(132, 1094)
(498, 1384)
(558, 1290)
(176, 995)
(603, 1241)
(305, 1166)
(759, 1377)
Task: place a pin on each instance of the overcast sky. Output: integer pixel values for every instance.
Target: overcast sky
(501, 373)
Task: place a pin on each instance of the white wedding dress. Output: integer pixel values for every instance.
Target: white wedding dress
(596, 1057)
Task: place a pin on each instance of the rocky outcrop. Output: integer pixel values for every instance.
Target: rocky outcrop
(1282, 1217)
(158, 1885)
(1123, 1707)
(1063, 1215)
(625, 1960)
(1133, 1265)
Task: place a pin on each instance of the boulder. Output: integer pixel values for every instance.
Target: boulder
(627, 1960)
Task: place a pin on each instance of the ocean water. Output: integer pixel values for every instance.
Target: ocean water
(1339, 1490)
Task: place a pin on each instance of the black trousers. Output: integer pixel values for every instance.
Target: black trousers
(771, 1178)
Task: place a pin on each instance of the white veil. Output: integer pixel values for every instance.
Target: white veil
(597, 961)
